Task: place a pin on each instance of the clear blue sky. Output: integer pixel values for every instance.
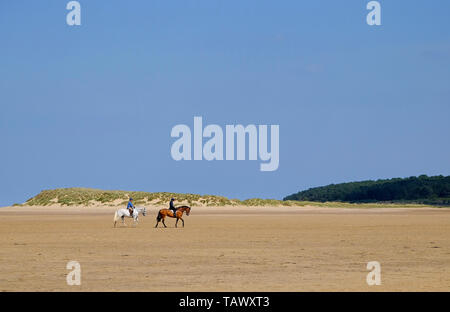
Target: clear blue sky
(93, 106)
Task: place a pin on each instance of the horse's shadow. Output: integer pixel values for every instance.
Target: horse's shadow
(125, 226)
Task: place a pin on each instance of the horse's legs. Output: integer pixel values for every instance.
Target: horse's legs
(164, 223)
(176, 223)
(157, 222)
(182, 221)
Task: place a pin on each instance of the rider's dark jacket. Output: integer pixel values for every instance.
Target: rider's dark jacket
(172, 206)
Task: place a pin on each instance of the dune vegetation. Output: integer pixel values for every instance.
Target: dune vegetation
(87, 197)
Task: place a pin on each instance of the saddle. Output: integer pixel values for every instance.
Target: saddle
(131, 212)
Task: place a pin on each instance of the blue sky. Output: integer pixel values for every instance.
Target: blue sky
(93, 106)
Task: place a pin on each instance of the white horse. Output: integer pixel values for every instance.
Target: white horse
(123, 212)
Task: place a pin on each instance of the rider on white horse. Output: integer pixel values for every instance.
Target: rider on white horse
(130, 206)
(121, 213)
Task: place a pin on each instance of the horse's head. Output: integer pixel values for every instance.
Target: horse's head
(142, 210)
(186, 209)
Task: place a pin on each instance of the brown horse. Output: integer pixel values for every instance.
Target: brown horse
(163, 213)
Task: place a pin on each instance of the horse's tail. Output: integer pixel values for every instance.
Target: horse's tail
(158, 218)
(115, 218)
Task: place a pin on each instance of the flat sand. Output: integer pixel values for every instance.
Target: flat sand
(226, 249)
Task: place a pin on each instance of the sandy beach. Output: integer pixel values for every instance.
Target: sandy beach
(226, 249)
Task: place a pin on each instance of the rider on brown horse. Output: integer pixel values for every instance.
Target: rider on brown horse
(175, 212)
(172, 206)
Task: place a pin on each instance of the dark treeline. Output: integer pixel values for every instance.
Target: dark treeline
(423, 189)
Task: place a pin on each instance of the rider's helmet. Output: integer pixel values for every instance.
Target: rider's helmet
(131, 198)
(172, 199)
